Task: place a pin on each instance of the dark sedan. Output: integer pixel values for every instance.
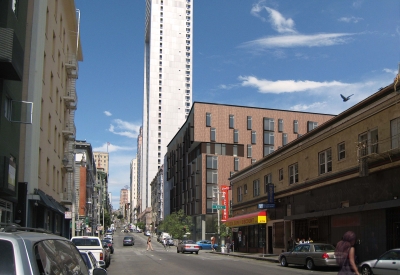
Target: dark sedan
(128, 240)
(109, 243)
(310, 255)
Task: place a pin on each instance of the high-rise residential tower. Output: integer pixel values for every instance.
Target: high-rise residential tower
(167, 82)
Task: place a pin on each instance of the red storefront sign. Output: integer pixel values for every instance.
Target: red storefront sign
(225, 202)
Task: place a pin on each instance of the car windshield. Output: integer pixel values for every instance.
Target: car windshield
(128, 238)
(189, 241)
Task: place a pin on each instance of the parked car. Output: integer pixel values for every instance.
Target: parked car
(388, 263)
(91, 262)
(109, 244)
(26, 251)
(93, 244)
(128, 240)
(109, 236)
(107, 254)
(139, 230)
(206, 244)
(147, 233)
(170, 242)
(310, 255)
(188, 246)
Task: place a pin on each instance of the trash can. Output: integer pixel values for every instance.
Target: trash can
(223, 249)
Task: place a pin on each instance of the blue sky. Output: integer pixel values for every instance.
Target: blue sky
(282, 54)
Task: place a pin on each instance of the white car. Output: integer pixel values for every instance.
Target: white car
(109, 236)
(91, 261)
(147, 233)
(386, 264)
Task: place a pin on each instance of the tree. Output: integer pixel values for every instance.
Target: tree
(177, 224)
(141, 225)
(120, 216)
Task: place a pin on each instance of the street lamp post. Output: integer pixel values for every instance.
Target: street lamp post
(216, 191)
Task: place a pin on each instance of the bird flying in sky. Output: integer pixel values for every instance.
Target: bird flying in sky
(345, 98)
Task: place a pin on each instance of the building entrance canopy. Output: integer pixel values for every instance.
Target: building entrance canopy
(247, 219)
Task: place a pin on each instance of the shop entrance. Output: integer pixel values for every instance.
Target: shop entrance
(270, 250)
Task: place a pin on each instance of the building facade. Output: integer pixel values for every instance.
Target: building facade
(102, 161)
(134, 190)
(157, 198)
(344, 175)
(167, 82)
(217, 141)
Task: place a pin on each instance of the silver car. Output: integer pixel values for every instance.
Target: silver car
(310, 255)
(188, 246)
(387, 264)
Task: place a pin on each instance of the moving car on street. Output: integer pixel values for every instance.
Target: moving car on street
(387, 264)
(206, 245)
(128, 240)
(188, 246)
(310, 255)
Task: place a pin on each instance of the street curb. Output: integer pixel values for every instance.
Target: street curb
(247, 257)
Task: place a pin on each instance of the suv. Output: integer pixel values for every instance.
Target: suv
(33, 251)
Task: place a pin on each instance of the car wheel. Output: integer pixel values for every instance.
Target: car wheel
(177, 250)
(284, 262)
(310, 264)
(197, 252)
(366, 270)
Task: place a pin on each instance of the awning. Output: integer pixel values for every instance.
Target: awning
(247, 219)
(50, 202)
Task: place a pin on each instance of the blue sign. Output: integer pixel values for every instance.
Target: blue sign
(265, 205)
(271, 193)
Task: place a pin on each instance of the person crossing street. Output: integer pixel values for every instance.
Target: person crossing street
(166, 246)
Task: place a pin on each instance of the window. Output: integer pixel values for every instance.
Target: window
(253, 137)
(268, 149)
(280, 125)
(256, 188)
(293, 173)
(235, 136)
(368, 142)
(341, 151)
(236, 164)
(325, 161)
(268, 124)
(284, 139)
(281, 174)
(267, 180)
(269, 138)
(213, 134)
(208, 148)
(235, 150)
(249, 150)
(231, 121)
(249, 123)
(395, 132)
(295, 126)
(311, 125)
(245, 188)
(208, 119)
(239, 194)
(253, 161)
(212, 169)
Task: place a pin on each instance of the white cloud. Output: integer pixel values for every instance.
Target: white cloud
(107, 113)
(124, 128)
(227, 87)
(299, 40)
(304, 107)
(277, 20)
(286, 86)
(350, 19)
(394, 72)
(112, 148)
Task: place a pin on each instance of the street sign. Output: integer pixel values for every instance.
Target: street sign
(218, 207)
(266, 205)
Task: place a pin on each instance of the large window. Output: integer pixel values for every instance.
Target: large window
(269, 138)
(249, 123)
(268, 124)
(284, 139)
(395, 132)
(249, 150)
(253, 137)
(295, 127)
(208, 119)
(267, 180)
(281, 174)
(280, 125)
(213, 134)
(235, 136)
(341, 151)
(236, 164)
(231, 121)
(325, 161)
(293, 173)
(235, 150)
(268, 149)
(311, 125)
(368, 142)
(256, 188)
(239, 194)
(212, 169)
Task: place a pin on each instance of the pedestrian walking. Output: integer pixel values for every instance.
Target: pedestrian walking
(228, 243)
(213, 244)
(166, 247)
(149, 244)
(345, 254)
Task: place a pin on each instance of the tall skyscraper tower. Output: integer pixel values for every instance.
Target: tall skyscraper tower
(167, 82)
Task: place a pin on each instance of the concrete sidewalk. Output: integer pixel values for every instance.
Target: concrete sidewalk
(255, 256)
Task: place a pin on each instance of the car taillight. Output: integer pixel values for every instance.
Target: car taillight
(101, 256)
(109, 244)
(325, 256)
